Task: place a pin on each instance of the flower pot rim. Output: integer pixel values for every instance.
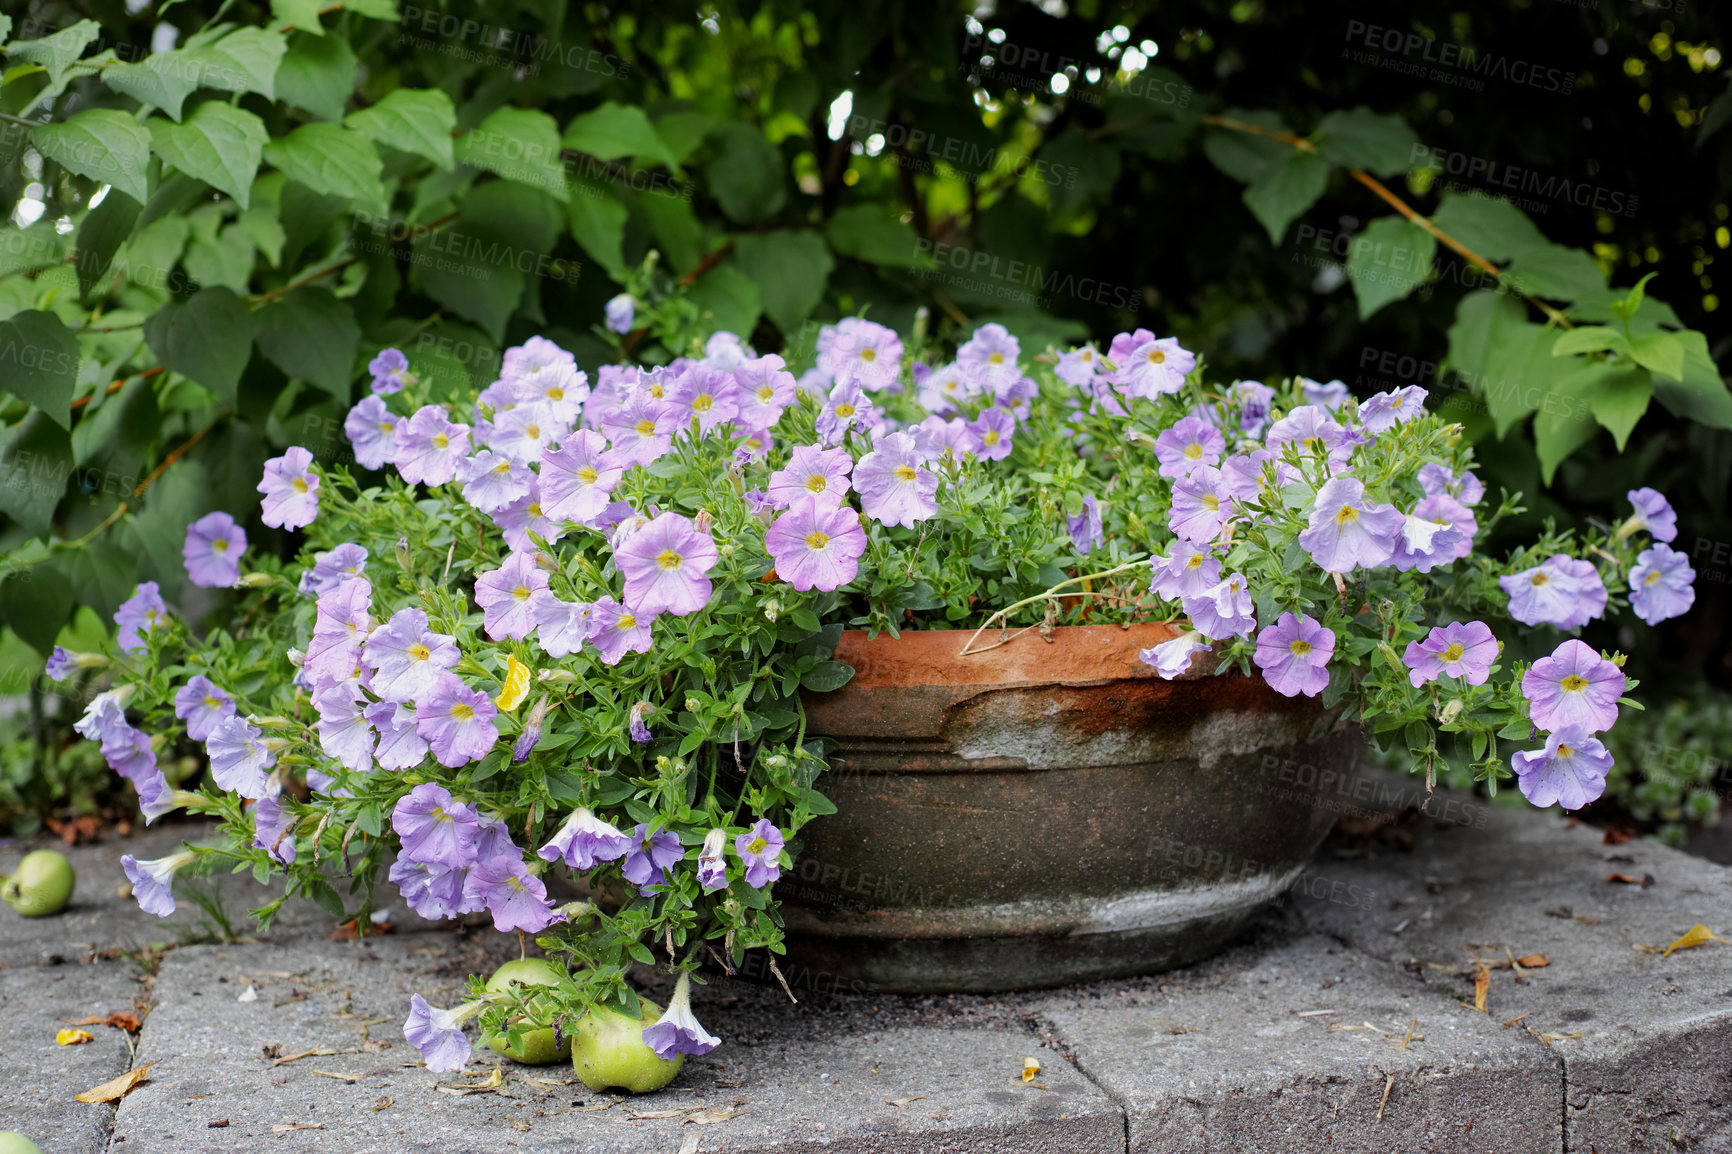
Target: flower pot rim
(1015, 657)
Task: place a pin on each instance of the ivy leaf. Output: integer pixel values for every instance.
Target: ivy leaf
(100, 236)
(1594, 339)
(218, 144)
(790, 270)
(245, 60)
(727, 299)
(417, 120)
(55, 53)
(1380, 143)
(1285, 190)
(1494, 229)
(163, 79)
(104, 144)
(615, 131)
(1701, 395)
(35, 460)
(331, 160)
(865, 232)
(520, 144)
(207, 337)
(1621, 401)
(597, 220)
(1388, 260)
(312, 336)
(1661, 353)
(39, 363)
(318, 74)
(746, 174)
(1556, 272)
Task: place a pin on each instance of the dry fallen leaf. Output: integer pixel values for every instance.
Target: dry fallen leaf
(381, 1104)
(1548, 1038)
(690, 1145)
(349, 1078)
(285, 1127)
(115, 1089)
(73, 1037)
(712, 1115)
(319, 1052)
(125, 1020)
(1481, 984)
(1696, 935)
(1030, 1069)
(1644, 881)
(1533, 961)
(900, 1102)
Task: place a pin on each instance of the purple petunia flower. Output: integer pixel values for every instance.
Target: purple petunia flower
(153, 881)
(894, 484)
(372, 430)
(291, 490)
(846, 408)
(677, 1031)
(344, 733)
(407, 658)
(429, 445)
(61, 664)
(1154, 367)
(584, 841)
(1186, 573)
(155, 797)
(1346, 530)
(400, 747)
(765, 388)
(491, 481)
(1560, 591)
(862, 353)
(1427, 542)
(202, 706)
(1570, 771)
(1294, 655)
(104, 718)
(239, 758)
(1459, 649)
(1311, 430)
(524, 433)
(1223, 610)
(1255, 399)
(1446, 510)
(1190, 443)
(1386, 410)
(989, 359)
(390, 371)
(640, 429)
(994, 429)
(525, 516)
(812, 471)
(438, 1035)
(435, 892)
(640, 730)
(759, 847)
(1573, 688)
(616, 630)
(273, 829)
(1653, 513)
(510, 597)
(665, 565)
(457, 723)
(1660, 584)
(1201, 505)
(1436, 480)
(340, 624)
(705, 395)
(436, 828)
(516, 898)
(332, 568)
(131, 757)
(1078, 367)
(816, 545)
(139, 614)
(650, 854)
(577, 479)
(212, 552)
(1085, 529)
(620, 312)
(1330, 396)
(562, 626)
(1172, 659)
(712, 869)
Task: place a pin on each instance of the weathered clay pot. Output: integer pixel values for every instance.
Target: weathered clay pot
(1048, 811)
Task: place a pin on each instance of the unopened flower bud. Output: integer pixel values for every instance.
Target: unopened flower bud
(703, 520)
(731, 907)
(255, 581)
(693, 704)
(403, 553)
(772, 609)
(556, 677)
(726, 549)
(1389, 655)
(1450, 711)
(1140, 439)
(296, 658)
(270, 721)
(276, 744)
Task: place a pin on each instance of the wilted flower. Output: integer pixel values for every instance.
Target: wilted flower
(677, 1031)
(1085, 529)
(712, 870)
(640, 731)
(1172, 659)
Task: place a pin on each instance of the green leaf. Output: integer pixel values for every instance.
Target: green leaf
(682, 132)
(245, 60)
(1478, 318)
(1593, 339)
(597, 220)
(312, 336)
(224, 258)
(1492, 228)
(302, 15)
(1621, 401)
(520, 144)
(36, 603)
(39, 363)
(867, 232)
(1661, 353)
(318, 74)
(1380, 143)
(57, 52)
(331, 160)
(614, 131)
(417, 120)
(1565, 420)
(790, 270)
(163, 79)
(100, 236)
(207, 337)
(1553, 271)
(746, 174)
(1245, 156)
(726, 299)
(675, 228)
(1286, 189)
(1388, 260)
(106, 145)
(218, 144)
(1701, 395)
(827, 676)
(117, 435)
(1520, 372)
(35, 460)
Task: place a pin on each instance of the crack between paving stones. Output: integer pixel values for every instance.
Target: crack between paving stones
(1045, 1030)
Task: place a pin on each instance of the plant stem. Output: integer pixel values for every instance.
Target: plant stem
(1044, 596)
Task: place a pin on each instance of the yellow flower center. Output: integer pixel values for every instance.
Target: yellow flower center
(756, 846)
(905, 473)
(533, 432)
(535, 510)
(1346, 515)
(645, 427)
(419, 652)
(587, 475)
(816, 540)
(1211, 502)
(502, 468)
(1453, 653)
(1157, 357)
(1574, 683)
(462, 711)
(441, 441)
(996, 358)
(212, 703)
(703, 403)
(668, 559)
(387, 427)
(520, 593)
(1564, 752)
(1651, 579)
(817, 483)
(1538, 579)
(1195, 561)
(299, 484)
(556, 394)
(990, 437)
(844, 410)
(627, 621)
(766, 394)
(1194, 452)
(868, 355)
(1299, 648)
(220, 545)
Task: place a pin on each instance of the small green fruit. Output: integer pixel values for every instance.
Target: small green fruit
(538, 1047)
(610, 1051)
(41, 885)
(12, 1142)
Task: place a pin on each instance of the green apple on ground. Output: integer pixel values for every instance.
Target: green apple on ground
(12, 1142)
(538, 1047)
(41, 885)
(608, 1051)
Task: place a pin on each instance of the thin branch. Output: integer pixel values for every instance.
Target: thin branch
(117, 386)
(177, 454)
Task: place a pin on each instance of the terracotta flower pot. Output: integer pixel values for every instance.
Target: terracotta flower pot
(1047, 811)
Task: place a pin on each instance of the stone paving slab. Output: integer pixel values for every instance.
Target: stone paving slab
(1309, 1046)
(38, 1077)
(800, 1089)
(1646, 1040)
